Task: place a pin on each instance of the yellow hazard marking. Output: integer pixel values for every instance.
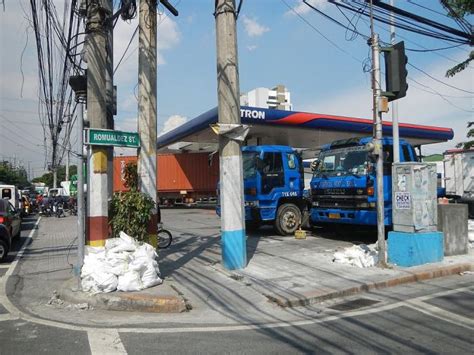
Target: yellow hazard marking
(153, 240)
(99, 160)
(96, 243)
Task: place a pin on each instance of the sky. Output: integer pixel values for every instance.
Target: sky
(279, 42)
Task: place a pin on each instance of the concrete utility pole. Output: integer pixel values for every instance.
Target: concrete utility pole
(67, 163)
(147, 111)
(233, 242)
(80, 195)
(378, 145)
(109, 82)
(396, 140)
(97, 189)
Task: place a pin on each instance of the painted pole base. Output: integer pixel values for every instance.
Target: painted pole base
(411, 249)
(234, 249)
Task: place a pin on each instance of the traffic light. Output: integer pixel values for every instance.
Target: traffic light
(395, 71)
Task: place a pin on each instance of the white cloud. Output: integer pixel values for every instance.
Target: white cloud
(252, 47)
(418, 107)
(302, 8)
(172, 122)
(129, 124)
(253, 28)
(168, 36)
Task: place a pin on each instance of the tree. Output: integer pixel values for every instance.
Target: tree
(470, 134)
(130, 211)
(459, 9)
(61, 173)
(13, 175)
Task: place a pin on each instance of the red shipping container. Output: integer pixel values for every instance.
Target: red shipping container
(177, 173)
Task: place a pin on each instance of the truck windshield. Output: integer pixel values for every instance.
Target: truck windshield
(249, 160)
(343, 161)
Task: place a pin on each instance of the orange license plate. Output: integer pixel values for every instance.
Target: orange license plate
(334, 216)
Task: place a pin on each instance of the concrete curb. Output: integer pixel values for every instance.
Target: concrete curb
(319, 296)
(124, 301)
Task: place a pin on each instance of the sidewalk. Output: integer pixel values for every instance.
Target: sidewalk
(282, 273)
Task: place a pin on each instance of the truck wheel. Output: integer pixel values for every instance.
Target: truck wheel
(288, 219)
(3, 250)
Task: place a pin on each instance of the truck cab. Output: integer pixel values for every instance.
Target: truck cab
(273, 187)
(343, 187)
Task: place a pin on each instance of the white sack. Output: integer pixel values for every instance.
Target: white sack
(145, 250)
(112, 243)
(358, 255)
(123, 264)
(150, 276)
(470, 232)
(130, 281)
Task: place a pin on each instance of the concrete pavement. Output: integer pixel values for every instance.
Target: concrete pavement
(282, 273)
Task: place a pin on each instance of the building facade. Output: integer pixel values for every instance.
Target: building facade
(276, 98)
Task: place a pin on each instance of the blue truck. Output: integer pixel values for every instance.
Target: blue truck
(273, 188)
(343, 187)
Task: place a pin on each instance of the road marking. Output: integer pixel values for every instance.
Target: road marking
(105, 341)
(5, 317)
(111, 335)
(22, 249)
(15, 312)
(441, 313)
(4, 266)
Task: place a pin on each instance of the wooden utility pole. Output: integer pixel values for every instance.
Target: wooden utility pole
(233, 242)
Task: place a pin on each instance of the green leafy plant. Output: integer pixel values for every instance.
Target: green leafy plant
(130, 211)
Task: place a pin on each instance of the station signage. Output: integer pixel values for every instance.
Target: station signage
(110, 137)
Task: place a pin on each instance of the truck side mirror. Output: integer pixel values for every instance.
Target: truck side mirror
(315, 164)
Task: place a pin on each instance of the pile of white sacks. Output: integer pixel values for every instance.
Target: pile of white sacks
(358, 255)
(123, 265)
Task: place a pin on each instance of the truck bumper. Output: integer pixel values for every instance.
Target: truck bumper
(259, 213)
(361, 217)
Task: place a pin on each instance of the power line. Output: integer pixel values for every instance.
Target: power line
(439, 81)
(319, 32)
(433, 92)
(126, 49)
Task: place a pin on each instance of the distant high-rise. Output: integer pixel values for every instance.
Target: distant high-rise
(276, 98)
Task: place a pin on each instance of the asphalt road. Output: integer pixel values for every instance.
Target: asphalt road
(435, 316)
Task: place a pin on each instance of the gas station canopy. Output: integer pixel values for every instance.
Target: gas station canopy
(304, 130)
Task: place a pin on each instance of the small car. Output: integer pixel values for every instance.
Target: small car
(10, 226)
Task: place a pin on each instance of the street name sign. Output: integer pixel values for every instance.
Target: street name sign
(110, 137)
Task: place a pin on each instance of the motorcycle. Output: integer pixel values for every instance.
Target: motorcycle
(58, 209)
(45, 210)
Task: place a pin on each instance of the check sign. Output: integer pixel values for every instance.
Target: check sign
(110, 137)
(402, 200)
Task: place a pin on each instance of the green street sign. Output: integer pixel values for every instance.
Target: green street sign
(111, 137)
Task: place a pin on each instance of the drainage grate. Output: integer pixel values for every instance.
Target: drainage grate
(354, 304)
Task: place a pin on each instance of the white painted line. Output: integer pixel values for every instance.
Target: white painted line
(4, 266)
(105, 341)
(442, 314)
(3, 281)
(22, 249)
(5, 317)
